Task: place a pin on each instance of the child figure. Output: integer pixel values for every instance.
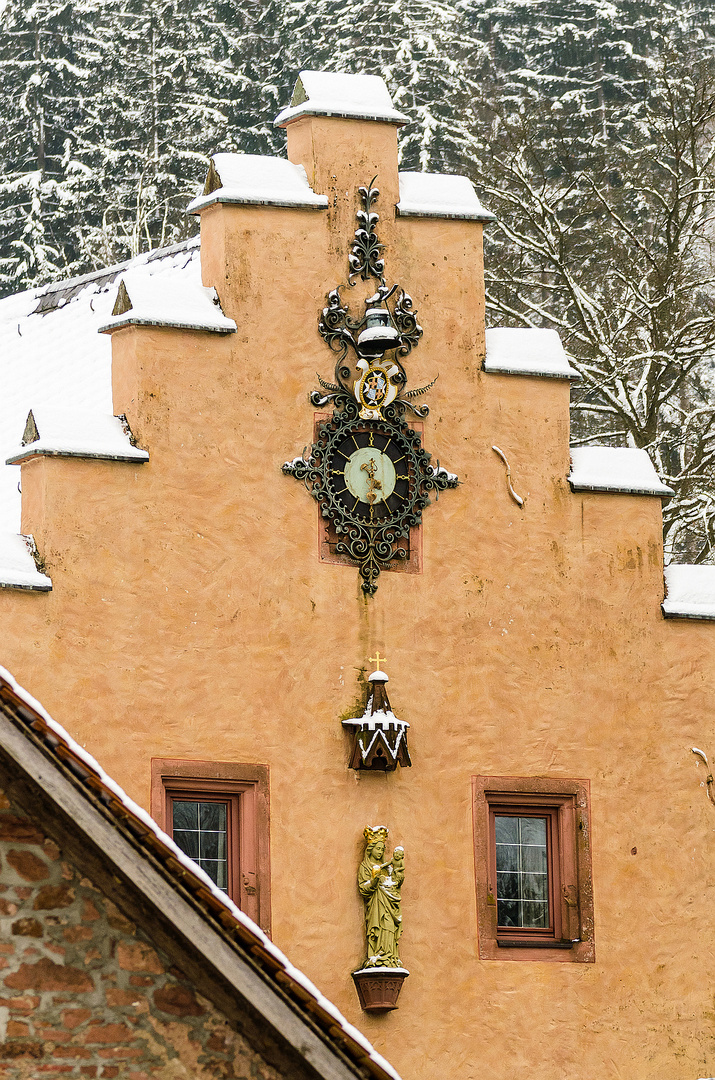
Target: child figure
(398, 866)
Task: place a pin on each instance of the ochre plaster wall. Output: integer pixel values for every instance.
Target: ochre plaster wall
(190, 617)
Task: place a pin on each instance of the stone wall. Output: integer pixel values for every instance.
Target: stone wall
(83, 993)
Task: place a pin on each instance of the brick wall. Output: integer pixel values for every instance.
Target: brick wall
(83, 993)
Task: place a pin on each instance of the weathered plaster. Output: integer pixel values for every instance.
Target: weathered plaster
(191, 617)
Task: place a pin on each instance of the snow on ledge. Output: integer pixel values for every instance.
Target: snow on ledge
(259, 181)
(72, 433)
(332, 93)
(17, 564)
(689, 592)
(382, 971)
(193, 868)
(439, 195)
(527, 351)
(177, 301)
(624, 470)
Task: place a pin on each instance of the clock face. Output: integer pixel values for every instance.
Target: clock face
(369, 473)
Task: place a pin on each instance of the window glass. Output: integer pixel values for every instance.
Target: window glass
(200, 830)
(522, 872)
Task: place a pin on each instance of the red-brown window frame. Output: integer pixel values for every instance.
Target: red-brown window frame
(566, 805)
(244, 788)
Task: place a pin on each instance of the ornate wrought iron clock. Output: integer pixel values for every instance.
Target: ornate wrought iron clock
(367, 469)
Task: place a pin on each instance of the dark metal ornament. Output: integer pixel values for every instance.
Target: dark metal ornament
(402, 332)
(368, 470)
(365, 257)
(370, 532)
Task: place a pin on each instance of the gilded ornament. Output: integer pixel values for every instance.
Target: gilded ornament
(380, 885)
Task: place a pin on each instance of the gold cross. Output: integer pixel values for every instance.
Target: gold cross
(377, 659)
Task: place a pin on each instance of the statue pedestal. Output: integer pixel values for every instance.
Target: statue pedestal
(379, 988)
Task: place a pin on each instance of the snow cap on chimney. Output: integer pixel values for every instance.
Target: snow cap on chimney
(333, 93)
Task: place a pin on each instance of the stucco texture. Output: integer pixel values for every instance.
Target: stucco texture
(191, 617)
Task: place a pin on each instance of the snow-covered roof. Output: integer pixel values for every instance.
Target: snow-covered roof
(52, 356)
(181, 302)
(440, 195)
(17, 565)
(88, 772)
(255, 180)
(76, 433)
(527, 351)
(690, 592)
(333, 93)
(626, 470)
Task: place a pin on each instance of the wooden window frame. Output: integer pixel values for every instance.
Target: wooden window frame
(566, 805)
(525, 806)
(245, 789)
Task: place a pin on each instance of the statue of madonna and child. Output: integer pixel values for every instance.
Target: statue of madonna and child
(380, 882)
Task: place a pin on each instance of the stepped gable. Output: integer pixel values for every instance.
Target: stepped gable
(53, 357)
(51, 354)
(57, 789)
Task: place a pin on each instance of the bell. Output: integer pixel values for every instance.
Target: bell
(379, 334)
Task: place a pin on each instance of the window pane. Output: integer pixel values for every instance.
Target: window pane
(507, 857)
(533, 830)
(508, 887)
(533, 859)
(508, 913)
(186, 815)
(200, 830)
(534, 887)
(209, 845)
(213, 815)
(507, 830)
(216, 871)
(535, 914)
(522, 877)
(188, 842)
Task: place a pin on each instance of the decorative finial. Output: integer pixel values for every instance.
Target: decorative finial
(376, 659)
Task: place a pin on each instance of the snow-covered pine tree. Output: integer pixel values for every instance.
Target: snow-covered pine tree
(47, 57)
(182, 81)
(587, 58)
(249, 41)
(113, 109)
(426, 50)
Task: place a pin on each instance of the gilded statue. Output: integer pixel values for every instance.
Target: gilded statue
(380, 885)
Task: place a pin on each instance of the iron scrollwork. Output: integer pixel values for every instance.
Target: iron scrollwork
(367, 470)
(365, 257)
(370, 532)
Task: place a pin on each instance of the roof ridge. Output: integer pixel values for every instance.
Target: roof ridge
(240, 930)
(40, 291)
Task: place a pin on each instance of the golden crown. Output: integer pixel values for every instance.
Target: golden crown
(374, 833)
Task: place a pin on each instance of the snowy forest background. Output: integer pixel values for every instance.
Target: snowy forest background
(588, 127)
